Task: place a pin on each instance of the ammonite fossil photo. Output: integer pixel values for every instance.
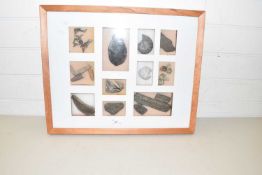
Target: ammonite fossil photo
(146, 45)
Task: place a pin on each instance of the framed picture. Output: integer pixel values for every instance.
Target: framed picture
(121, 70)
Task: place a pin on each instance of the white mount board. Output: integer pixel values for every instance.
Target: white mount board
(59, 57)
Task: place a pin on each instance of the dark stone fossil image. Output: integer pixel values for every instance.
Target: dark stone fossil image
(159, 103)
(117, 51)
(146, 45)
(140, 109)
(162, 98)
(82, 106)
(113, 107)
(166, 44)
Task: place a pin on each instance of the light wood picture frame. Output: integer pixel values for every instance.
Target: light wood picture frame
(71, 35)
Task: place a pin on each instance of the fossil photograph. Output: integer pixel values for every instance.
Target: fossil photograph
(114, 108)
(144, 73)
(82, 73)
(115, 50)
(166, 73)
(146, 38)
(83, 104)
(168, 42)
(114, 86)
(81, 39)
(153, 103)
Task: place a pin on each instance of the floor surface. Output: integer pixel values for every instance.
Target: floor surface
(219, 147)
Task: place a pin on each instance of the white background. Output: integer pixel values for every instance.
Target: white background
(231, 80)
(59, 58)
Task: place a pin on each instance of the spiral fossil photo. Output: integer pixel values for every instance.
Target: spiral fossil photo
(146, 43)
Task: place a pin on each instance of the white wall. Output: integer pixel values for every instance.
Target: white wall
(231, 83)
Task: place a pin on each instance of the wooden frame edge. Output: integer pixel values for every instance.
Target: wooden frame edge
(43, 9)
(116, 9)
(120, 131)
(197, 71)
(45, 68)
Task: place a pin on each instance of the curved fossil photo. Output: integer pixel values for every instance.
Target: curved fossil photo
(81, 39)
(168, 42)
(153, 103)
(82, 73)
(145, 43)
(115, 50)
(82, 104)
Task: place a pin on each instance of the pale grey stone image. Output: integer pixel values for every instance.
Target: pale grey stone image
(144, 75)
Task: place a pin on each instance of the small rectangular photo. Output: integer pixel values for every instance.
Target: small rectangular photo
(115, 52)
(168, 42)
(82, 73)
(153, 103)
(81, 39)
(114, 86)
(83, 104)
(166, 73)
(114, 108)
(144, 73)
(146, 41)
